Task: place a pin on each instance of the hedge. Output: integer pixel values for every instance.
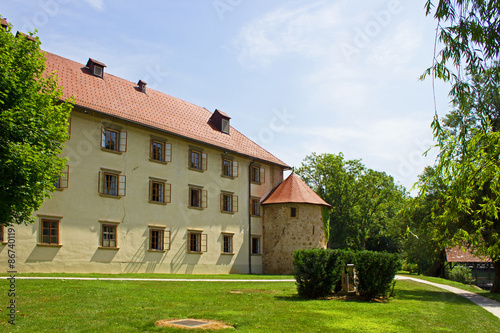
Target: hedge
(318, 271)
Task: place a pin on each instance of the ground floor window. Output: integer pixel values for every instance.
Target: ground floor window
(197, 242)
(50, 232)
(227, 244)
(109, 233)
(255, 244)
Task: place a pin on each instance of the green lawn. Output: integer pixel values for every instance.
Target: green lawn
(471, 288)
(133, 306)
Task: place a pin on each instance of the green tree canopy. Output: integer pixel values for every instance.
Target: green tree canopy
(33, 127)
(469, 137)
(364, 202)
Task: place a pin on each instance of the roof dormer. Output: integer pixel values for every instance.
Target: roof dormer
(96, 67)
(221, 121)
(4, 23)
(142, 86)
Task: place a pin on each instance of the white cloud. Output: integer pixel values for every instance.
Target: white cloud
(97, 4)
(287, 31)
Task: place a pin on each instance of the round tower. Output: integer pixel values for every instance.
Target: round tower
(292, 220)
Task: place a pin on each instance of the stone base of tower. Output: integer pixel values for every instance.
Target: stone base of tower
(288, 227)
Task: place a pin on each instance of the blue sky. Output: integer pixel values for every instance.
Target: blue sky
(295, 76)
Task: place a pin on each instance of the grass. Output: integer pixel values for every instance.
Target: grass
(159, 276)
(134, 306)
(471, 288)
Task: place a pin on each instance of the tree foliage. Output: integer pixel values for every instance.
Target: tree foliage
(364, 202)
(425, 239)
(469, 137)
(33, 126)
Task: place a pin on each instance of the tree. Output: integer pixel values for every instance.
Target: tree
(468, 139)
(33, 127)
(425, 239)
(364, 202)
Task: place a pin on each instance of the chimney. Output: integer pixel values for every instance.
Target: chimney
(142, 86)
(96, 67)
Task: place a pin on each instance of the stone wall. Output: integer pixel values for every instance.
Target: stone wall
(283, 234)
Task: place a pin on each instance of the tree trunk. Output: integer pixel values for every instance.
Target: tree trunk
(496, 279)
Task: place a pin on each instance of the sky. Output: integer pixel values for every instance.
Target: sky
(295, 76)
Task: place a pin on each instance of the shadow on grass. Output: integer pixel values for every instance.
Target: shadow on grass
(430, 296)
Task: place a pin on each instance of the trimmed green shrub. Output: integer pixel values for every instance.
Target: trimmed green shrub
(344, 257)
(376, 272)
(461, 274)
(316, 272)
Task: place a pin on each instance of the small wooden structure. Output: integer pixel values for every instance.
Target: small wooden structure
(482, 267)
(349, 280)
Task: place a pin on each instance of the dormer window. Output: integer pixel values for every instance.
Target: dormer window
(98, 70)
(225, 126)
(96, 67)
(142, 86)
(221, 121)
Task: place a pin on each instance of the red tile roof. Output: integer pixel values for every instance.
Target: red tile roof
(294, 190)
(456, 254)
(117, 97)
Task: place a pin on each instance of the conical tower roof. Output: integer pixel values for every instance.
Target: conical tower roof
(294, 190)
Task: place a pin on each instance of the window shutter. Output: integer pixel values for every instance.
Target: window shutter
(262, 175)
(167, 193)
(204, 243)
(168, 152)
(150, 190)
(103, 137)
(222, 202)
(167, 240)
(204, 198)
(100, 184)
(235, 168)
(204, 159)
(235, 203)
(121, 185)
(151, 148)
(64, 178)
(123, 141)
(190, 158)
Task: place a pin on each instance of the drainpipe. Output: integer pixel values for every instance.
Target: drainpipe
(250, 218)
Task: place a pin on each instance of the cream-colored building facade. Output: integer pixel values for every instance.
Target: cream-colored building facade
(155, 184)
(145, 194)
